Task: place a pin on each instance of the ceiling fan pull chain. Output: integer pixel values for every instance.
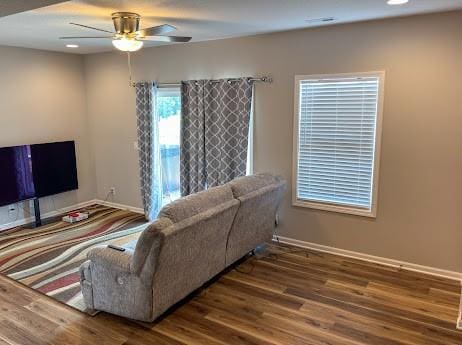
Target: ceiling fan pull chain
(130, 83)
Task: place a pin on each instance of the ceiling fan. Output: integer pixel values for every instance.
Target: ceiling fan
(128, 36)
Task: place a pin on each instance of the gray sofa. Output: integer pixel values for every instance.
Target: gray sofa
(193, 239)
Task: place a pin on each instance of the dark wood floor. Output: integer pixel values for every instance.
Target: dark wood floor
(285, 297)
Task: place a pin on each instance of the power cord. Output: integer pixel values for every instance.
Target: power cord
(294, 251)
(275, 256)
(107, 196)
(55, 209)
(28, 214)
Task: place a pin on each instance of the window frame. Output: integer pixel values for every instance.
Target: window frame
(334, 207)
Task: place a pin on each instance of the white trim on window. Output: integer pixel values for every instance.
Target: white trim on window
(332, 205)
(250, 147)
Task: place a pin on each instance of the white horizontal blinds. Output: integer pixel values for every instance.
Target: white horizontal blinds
(337, 130)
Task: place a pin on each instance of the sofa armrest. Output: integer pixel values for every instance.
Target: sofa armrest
(111, 258)
(109, 284)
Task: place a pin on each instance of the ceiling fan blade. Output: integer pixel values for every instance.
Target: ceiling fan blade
(157, 30)
(166, 38)
(77, 37)
(91, 27)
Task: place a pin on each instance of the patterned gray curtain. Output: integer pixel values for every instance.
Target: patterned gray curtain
(149, 148)
(227, 117)
(215, 132)
(192, 149)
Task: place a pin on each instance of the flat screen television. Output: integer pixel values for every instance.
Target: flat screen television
(36, 171)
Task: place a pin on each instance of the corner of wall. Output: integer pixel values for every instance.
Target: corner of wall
(89, 124)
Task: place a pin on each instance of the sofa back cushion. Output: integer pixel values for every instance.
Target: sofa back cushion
(146, 251)
(248, 184)
(260, 197)
(193, 204)
(193, 248)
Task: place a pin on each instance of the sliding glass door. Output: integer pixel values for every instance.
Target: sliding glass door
(169, 108)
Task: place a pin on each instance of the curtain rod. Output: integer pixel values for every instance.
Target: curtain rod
(229, 80)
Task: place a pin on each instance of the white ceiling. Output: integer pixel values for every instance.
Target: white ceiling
(201, 19)
(9, 7)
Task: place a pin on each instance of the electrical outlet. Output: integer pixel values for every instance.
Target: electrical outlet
(112, 191)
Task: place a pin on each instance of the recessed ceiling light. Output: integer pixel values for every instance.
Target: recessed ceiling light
(397, 2)
(72, 46)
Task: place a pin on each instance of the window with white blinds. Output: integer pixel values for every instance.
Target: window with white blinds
(337, 130)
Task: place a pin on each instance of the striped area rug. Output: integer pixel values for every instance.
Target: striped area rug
(47, 259)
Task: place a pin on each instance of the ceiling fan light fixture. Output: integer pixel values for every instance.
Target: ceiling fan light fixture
(128, 37)
(127, 44)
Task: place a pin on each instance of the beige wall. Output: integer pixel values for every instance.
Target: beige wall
(42, 99)
(420, 193)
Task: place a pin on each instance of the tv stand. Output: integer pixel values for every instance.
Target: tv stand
(38, 218)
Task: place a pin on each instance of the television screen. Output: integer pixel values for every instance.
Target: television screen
(40, 170)
(16, 182)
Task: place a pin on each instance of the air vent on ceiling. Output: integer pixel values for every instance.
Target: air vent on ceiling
(320, 20)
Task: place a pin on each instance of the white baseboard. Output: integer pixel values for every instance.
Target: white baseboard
(371, 258)
(120, 206)
(29, 220)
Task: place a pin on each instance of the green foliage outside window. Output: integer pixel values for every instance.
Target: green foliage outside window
(168, 106)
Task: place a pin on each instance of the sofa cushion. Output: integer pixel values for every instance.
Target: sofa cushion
(191, 205)
(148, 244)
(248, 184)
